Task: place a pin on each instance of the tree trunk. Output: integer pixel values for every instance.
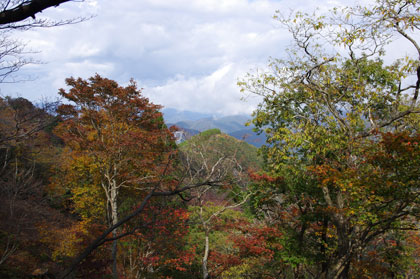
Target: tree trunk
(114, 216)
(205, 256)
(340, 269)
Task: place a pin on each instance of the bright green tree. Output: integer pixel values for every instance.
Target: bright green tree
(324, 110)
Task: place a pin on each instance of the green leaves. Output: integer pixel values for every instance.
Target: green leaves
(328, 107)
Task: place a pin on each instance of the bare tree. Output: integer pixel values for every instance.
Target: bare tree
(204, 159)
(21, 15)
(20, 121)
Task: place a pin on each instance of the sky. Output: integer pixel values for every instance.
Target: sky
(185, 54)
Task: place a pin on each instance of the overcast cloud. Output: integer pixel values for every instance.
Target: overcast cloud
(186, 54)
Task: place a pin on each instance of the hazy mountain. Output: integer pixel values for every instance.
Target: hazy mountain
(227, 124)
(172, 115)
(249, 136)
(234, 125)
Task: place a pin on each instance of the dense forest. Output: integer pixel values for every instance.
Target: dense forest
(95, 186)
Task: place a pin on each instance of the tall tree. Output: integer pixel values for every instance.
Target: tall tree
(324, 108)
(117, 144)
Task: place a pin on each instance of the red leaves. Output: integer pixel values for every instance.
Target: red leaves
(160, 243)
(251, 243)
(264, 177)
(257, 241)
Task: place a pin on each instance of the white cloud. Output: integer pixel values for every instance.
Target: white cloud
(81, 50)
(84, 69)
(187, 54)
(216, 93)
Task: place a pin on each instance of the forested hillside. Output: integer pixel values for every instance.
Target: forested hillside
(234, 125)
(217, 144)
(95, 185)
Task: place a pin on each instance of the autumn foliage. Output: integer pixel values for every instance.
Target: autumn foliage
(96, 187)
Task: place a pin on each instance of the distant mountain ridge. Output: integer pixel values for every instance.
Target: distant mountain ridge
(234, 125)
(172, 115)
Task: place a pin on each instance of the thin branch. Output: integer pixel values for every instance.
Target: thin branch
(102, 238)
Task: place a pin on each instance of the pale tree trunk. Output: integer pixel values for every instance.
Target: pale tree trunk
(207, 228)
(340, 269)
(114, 219)
(206, 256)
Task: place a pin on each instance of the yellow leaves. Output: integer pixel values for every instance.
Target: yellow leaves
(238, 271)
(347, 40)
(80, 176)
(89, 201)
(64, 241)
(91, 136)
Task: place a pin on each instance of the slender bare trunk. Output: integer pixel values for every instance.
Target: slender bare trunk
(338, 270)
(206, 256)
(114, 216)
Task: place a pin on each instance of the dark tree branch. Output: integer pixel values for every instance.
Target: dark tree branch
(27, 9)
(185, 199)
(103, 237)
(387, 123)
(126, 233)
(417, 88)
(185, 188)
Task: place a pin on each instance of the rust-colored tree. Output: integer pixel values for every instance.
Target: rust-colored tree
(117, 144)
